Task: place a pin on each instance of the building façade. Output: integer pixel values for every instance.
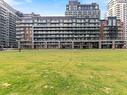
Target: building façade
(79, 28)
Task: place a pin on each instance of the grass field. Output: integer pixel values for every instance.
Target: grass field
(63, 72)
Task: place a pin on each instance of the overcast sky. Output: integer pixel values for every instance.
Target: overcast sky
(50, 7)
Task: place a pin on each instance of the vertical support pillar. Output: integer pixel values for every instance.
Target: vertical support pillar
(100, 44)
(32, 32)
(59, 45)
(81, 46)
(113, 44)
(89, 44)
(19, 45)
(72, 45)
(32, 45)
(46, 46)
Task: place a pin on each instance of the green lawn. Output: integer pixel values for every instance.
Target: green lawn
(63, 72)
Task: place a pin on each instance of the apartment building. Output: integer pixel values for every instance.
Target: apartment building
(112, 33)
(69, 31)
(66, 32)
(79, 28)
(24, 28)
(8, 19)
(75, 8)
(118, 8)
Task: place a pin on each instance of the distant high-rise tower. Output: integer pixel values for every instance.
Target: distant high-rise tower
(75, 8)
(118, 8)
(8, 17)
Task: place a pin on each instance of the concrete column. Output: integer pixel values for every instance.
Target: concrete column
(19, 45)
(81, 46)
(100, 44)
(46, 45)
(59, 45)
(113, 44)
(89, 44)
(32, 45)
(72, 45)
(32, 37)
